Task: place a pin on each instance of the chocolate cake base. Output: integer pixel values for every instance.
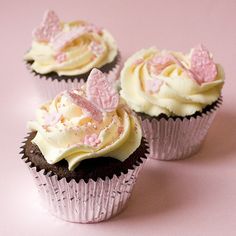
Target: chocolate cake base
(208, 108)
(54, 76)
(93, 168)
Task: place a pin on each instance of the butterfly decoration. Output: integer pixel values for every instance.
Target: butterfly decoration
(158, 63)
(202, 65)
(101, 92)
(86, 105)
(62, 39)
(101, 95)
(49, 27)
(51, 31)
(202, 70)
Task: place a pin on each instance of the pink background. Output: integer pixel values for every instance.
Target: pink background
(192, 197)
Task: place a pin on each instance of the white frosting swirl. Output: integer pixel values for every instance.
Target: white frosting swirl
(66, 131)
(90, 49)
(171, 91)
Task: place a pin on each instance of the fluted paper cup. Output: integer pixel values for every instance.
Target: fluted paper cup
(177, 138)
(85, 202)
(49, 87)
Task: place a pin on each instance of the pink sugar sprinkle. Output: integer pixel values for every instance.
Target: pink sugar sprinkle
(64, 38)
(92, 140)
(60, 57)
(153, 85)
(96, 48)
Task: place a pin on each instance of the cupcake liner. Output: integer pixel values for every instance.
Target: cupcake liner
(48, 87)
(84, 202)
(177, 138)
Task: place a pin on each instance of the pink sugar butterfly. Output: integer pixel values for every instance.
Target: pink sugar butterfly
(49, 27)
(86, 105)
(159, 63)
(50, 30)
(101, 92)
(62, 39)
(101, 95)
(202, 66)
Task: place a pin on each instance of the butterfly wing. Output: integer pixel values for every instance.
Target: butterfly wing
(202, 65)
(86, 105)
(101, 92)
(49, 27)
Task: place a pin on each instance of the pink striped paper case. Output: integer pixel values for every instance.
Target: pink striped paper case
(84, 202)
(175, 138)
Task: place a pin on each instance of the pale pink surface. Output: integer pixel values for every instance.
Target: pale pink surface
(191, 197)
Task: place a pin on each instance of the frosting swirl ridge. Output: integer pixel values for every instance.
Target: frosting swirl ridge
(67, 130)
(72, 48)
(172, 83)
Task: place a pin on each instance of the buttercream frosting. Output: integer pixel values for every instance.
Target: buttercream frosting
(173, 83)
(69, 127)
(69, 49)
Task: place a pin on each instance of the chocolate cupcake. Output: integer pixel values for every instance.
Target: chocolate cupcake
(63, 54)
(176, 95)
(85, 151)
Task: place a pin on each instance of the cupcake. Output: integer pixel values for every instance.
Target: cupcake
(85, 151)
(176, 95)
(63, 54)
